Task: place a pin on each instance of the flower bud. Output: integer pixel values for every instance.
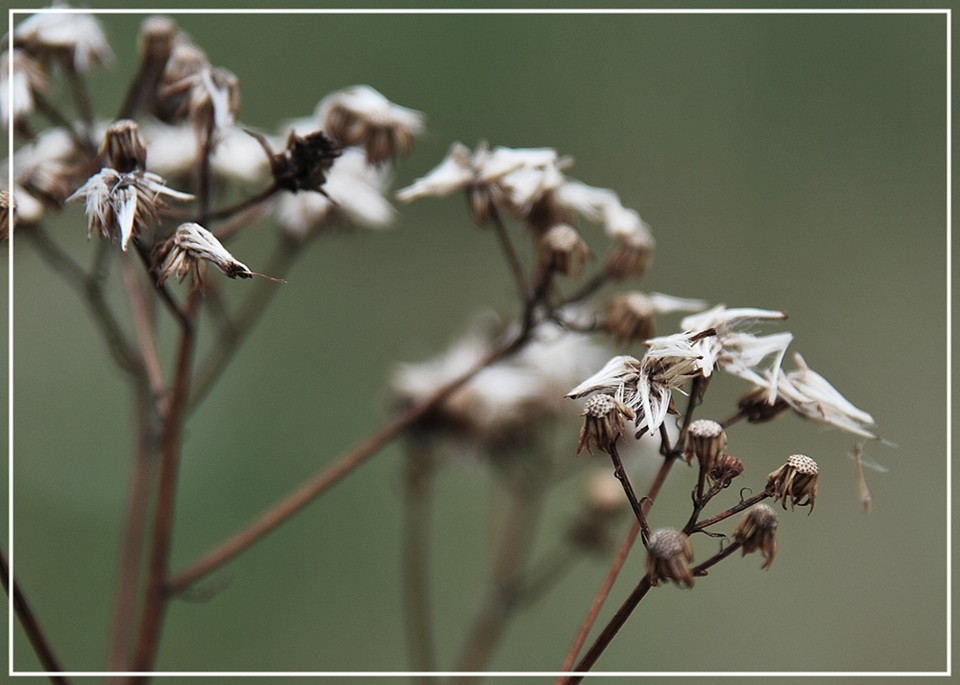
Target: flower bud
(123, 149)
(630, 256)
(756, 531)
(706, 441)
(725, 469)
(630, 317)
(561, 249)
(669, 554)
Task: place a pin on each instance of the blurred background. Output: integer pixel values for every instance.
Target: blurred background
(790, 162)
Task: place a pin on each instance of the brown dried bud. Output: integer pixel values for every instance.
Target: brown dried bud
(602, 423)
(156, 39)
(796, 481)
(303, 164)
(630, 318)
(725, 469)
(562, 250)
(123, 149)
(362, 116)
(630, 256)
(706, 441)
(757, 408)
(756, 531)
(669, 554)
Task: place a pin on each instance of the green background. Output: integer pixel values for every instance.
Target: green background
(788, 162)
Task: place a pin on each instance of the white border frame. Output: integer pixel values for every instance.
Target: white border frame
(948, 15)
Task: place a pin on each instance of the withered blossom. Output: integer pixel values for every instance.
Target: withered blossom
(303, 163)
(562, 250)
(121, 205)
(603, 417)
(706, 440)
(630, 255)
(17, 95)
(795, 481)
(185, 252)
(756, 531)
(354, 191)
(629, 317)
(74, 36)
(669, 554)
(725, 468)
(123, 149)
(362, 116)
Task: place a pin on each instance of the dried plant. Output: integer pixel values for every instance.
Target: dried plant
(498, 393)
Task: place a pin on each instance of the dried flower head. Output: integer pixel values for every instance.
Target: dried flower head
(74, 37)
(630, 317)
(304, 163)
(756, 530)
(189, 248)
(120, 205)
(561, 249)
(706, 440)
(725, 468)
(603, 417)
(631, 253)
(17, 95)
(156, 41)
(795, 481)
(360, 115)
(123, 149)
(354, 192)
(669, 554)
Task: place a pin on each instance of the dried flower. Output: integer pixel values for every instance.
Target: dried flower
(725, 468)
(191, 246)
(706, 441)
(669, 554)
(123, 149)
(360, 115)
(618, 377)
(630, 255)
(74, 36)
(813, 397)
(120, 205)
(630, 317)
(756, 530)
(603, 417)
(304, 163)
(561, 249)
(795, 481)
(27, 79)
(354, 190)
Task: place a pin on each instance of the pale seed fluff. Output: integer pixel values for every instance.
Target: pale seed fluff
(78, 34)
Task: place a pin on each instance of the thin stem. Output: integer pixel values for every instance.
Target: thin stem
(30, 625)
(609, 632)
(157, 564)
(735, 509)
(78, 87)
(48, 110)
(416, 556)
(652, 491)
(134, 532)
(601, 596)
(624, 479)
(513, 260)
(325, 479)
(701, 569)
(242, 206)
(507, 575)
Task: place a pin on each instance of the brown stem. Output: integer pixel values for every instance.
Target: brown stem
(155, 597)
(30, 625)
(132, 543)
(601, 596)
(416, 557)
(322, 481)
(701, 569)
(242, 206)
(735, 509)
(624, 479)
(513, 260)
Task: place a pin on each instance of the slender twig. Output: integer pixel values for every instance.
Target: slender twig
(322, 481)
(507, 574)
(513, 260)
(146, 336)
(728, 549)
(242, 206)
(155, 596)
(31, 626)
(624, 479)
(735, 509)
(81, 98)
(416, 556)
(134, 537)
(48, 110)
(601, 595)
